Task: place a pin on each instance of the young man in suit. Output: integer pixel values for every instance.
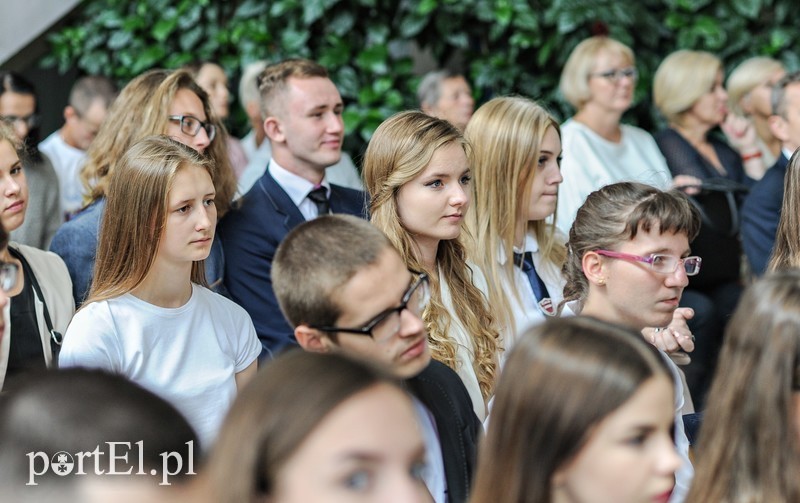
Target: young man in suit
(302, 112)
(343, 287)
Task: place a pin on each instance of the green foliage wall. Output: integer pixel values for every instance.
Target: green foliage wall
(508, 46)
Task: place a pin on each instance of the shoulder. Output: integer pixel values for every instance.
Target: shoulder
(218, 305)
(439, 383)
(636, 134)
(44, 263)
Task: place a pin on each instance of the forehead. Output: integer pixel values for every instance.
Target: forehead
(374, 288)
(654, 241)
(312, 92)
(211, 71)
(8, 155)
(451, 84)
(189, 180)
(186, 102)
(449, 159)
(12, 103)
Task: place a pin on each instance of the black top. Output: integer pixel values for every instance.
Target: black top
(25, 347)
(683, 159)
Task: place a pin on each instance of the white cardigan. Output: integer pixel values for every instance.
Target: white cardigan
(56, 285)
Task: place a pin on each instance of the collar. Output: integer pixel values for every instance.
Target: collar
(786, 152)
(295, 186)
(529, 245)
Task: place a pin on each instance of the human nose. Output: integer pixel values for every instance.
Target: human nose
(679, 276)
(555, 177)
(205, 218)
(336, 123)
(668, 461)
(201, 140)
(410, 324)
(11, 186)
(459, 195)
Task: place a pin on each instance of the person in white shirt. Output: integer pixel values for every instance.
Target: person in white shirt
(628, 262)
(516, 153)
(88, 106)
(149, 316)
(419, 181)
(599, 80)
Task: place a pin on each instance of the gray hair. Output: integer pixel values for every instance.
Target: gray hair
(248, 84)
(430, 88)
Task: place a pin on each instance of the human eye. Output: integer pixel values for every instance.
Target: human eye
(358, 480)
(465, 179)
(183, 209)
(558, 160)
(16, 169)
(637, 440)
(208, 202)
(434, 184)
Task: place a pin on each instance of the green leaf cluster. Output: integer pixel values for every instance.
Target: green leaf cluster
(504, 46)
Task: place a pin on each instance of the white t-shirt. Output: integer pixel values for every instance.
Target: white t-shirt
(67, 163)
(187, 355)
(590, 162)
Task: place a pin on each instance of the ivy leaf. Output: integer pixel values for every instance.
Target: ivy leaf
(119, 40)
(163, 28)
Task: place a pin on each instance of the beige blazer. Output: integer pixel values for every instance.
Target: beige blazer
(56, 285)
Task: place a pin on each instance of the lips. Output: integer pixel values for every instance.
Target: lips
(415, 349)
(15, 206)
(202, 240)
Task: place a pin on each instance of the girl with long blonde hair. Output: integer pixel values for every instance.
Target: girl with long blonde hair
(418, 178)
(516, 153)
(149, 316)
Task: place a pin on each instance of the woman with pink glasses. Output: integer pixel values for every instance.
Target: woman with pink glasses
(628, 263)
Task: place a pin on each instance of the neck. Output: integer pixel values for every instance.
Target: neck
(428, 249)
(694, 132)
(602, 121)
(519, 234)
(166, 285)
(282, 156)
(5, 255)
(67, 137)
(762, 130)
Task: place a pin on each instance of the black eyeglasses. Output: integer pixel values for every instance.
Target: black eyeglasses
(618, 74)
(31, 120)
(9, 275)
(387, 324)
(191, 125)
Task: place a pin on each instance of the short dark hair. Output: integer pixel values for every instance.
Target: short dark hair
(316, 259)
(778, 94)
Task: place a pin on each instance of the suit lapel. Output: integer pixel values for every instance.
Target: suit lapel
(280, 202)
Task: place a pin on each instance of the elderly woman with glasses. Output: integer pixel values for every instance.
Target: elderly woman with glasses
(599, 80)
(41, 307)
(156, 102)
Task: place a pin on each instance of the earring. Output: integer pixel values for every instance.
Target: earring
(601, 281)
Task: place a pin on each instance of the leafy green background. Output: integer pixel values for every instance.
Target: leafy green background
(505, 46)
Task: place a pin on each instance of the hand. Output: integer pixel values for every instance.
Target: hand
(687, 183)
(740, 133)
(675, 337)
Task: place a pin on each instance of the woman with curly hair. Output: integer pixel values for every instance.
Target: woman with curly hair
(419, 183)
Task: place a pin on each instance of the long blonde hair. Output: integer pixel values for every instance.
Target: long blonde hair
(506, 135)
(400, 149)
(141, 110)
(135, 215)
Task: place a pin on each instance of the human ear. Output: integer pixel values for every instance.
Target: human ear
(274, 129)
(69, 113)
(312, 340)
(778, 126)
(594, 268)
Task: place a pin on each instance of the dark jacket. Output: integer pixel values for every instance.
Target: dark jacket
(440, 389)
(250, 235)
(761, 213)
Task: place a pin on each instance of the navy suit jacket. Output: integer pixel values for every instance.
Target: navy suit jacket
(760, 215)
(251, 234)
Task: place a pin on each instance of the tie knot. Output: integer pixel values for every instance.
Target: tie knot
(319, 196)
(523, 260)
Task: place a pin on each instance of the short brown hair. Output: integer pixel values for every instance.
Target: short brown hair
(616, 213)
(316, 259)
(272, 81)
